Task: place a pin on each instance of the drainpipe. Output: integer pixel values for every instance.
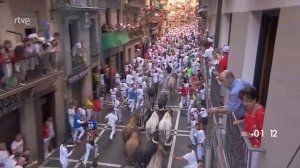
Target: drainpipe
(218, 23)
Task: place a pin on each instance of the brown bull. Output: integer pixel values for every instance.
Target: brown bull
(130, 127)
(132, 145)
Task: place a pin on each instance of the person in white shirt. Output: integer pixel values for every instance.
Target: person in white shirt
(124, 89)
(129, 79)
(193, 129)
(17, 145)
(4, 155)
(117, 79)
(140, 79)
(82, 111)
(140, 96)
(112, 118)
(203, 113)
(113, 94)
(190, 106)
(155, 76)
(64, 155)
(118, 111)
(71, 113)
(202, 95)
(189, 157)
(194, 112)
(200, 136)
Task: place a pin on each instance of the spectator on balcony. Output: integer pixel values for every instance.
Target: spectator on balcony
(253, 121)
(4, 155)
(79, 51)
(17, 146)
(208, 50)
(234, 104)
(32, 53)
(20, 66)
(104, 28)
(53, 54)
(6, 63)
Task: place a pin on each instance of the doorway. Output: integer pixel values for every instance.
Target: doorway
(265, 51)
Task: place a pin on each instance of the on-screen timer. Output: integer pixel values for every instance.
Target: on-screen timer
(273, 133)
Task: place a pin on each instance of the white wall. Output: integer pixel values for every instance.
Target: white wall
(238, 38)
(251, 46)
(224, 30)
(230, 6)
(282, 110)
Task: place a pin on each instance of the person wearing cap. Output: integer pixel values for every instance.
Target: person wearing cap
(189, 157)
(203, 114)
(200, 137)
(208, 51)
(223, 62)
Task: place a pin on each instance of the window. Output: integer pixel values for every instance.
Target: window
(107, 11)
(73, 32)
(118, 16)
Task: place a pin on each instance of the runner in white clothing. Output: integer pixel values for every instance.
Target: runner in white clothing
(189, 157)
(112, 118)
(124, 89)
(129, 79)
(140, 96)
(200, 136)
(118, 111)
(64, 155)
(113, 94)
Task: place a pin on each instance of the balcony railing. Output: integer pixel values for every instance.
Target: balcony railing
(17, 73)
(114, 39)
(81, 3)
(229, 150)
(94, 50)
(136, 3)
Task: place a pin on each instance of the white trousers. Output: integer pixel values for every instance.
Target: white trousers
(131, 105)
(255, 159)
(192, 133)
(88, 148)
(200, 153)
(118, 113)
(64, 163)
(113, 130)
(75, 135)
(140, 101)
(71, 121)
(102, 102)
(89, 113)
(113, 97)
(182, 101)
(124, 95)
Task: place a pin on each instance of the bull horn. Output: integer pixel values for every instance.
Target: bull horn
(154, 141)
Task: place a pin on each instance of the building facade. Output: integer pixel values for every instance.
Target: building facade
(263, 38)
(79, 22)
(25, 107)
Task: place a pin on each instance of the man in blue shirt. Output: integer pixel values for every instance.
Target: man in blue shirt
(132, 95)
(92, 124)
(234, 103)
(77, 127)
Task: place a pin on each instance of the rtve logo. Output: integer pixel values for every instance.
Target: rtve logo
(20, 20)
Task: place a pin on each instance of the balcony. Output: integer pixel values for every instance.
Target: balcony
(79, 4)
(94, 50)
(20, 74)
(237, 150)
(136, 3)
(114, 39)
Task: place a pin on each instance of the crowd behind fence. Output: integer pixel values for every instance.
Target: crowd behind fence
(26, 62)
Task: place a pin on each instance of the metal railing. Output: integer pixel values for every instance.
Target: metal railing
(81, 3)
(94, 50)
(229, 149)
(216, 157)
(17, 71)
